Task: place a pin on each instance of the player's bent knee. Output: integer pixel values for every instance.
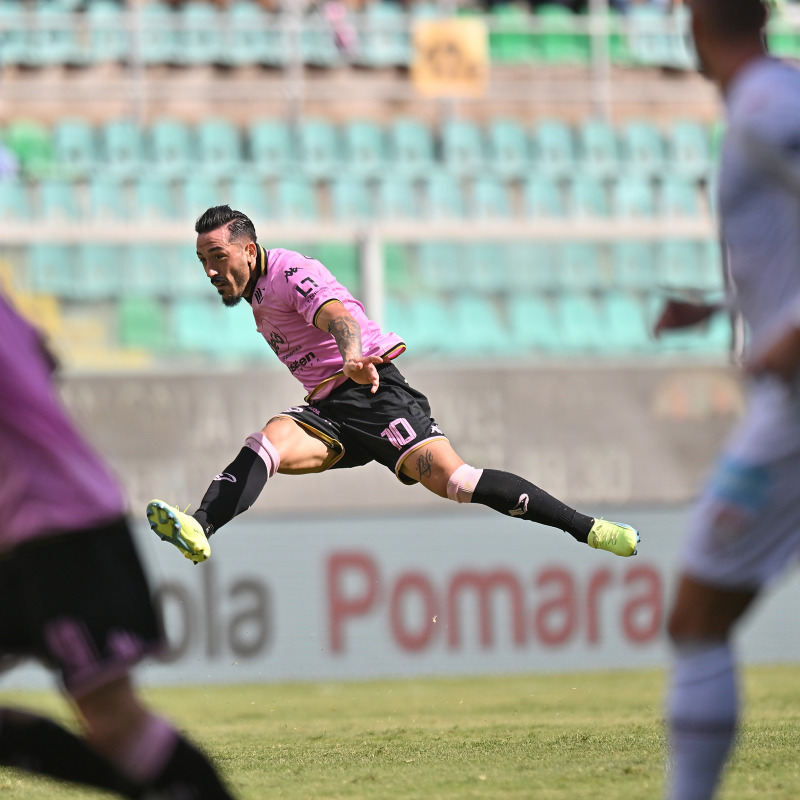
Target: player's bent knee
(264, 448)
(462, 483)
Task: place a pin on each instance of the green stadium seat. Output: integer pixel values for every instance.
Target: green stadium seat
(296, 199)
(443, 198)
(554, 148)
(109, 42)
(508, 42)
(534, 325)
(75, 147)
(384, 38)
(490, 336)
(50, 268)
(597, 148)
(633, 265)
(171, 147)
(490, 199)
(198, 193)
(483, 268)
(50, 43)
(350, 199)
(143, 323)
(364, 148)
(642, 149)
(397, 198)
(580, 322)
(398, 274)
(578, 266)
(318, 46)
(108, 199)
(411, 148)
(320, 152)
(32, 144)
(159, 41)
(271, 148)
(183, 272)
(542, 197)
(248, 193)
(507, 149)
(154, 198)
(96, 272)
(588, 197)
(658, 38)
(625, 323)
(342, 260)
(689, 149)
(145, 273)
(685, 264)
(633, 197)
(248, 36)
(462, 147)
(680, 197)
(13, 38)
(14, 201)
(530, 266)
(58, 201)
(440, 265)
(428, 327)
(219, 150)
(121, 148)
(197, 33)
(560, 42)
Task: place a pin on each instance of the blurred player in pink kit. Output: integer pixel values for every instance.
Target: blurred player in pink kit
(359, 408)
(73, 595)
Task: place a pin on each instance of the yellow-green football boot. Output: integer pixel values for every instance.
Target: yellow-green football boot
(180, 529)
(615, 537)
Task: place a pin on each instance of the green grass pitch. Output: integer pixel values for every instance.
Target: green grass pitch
(552, 737)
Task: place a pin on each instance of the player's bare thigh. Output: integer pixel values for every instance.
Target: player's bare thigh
(300, 451)
(703, 612)
(432, 464)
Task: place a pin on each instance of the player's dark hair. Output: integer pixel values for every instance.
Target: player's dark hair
(238, 224)
(735, 17)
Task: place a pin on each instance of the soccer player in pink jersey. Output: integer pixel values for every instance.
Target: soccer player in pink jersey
(359, 408)
(65, 551)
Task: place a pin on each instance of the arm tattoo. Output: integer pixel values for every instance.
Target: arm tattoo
(347, 333)
(424, 463)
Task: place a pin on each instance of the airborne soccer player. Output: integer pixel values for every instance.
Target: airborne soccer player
(359, 408)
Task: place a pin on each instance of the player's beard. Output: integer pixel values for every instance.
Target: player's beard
(232, 301)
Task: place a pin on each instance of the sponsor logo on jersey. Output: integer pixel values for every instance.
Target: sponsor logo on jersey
(275, 341)
(225, 476)
(521, 508)
(301, 362)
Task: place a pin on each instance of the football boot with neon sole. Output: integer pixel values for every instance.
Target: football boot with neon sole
(179, 529)
(615, 537)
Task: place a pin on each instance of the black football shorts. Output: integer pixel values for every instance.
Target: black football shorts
(361, 427)
(80, 603)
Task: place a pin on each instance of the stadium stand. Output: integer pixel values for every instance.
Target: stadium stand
(535, 296)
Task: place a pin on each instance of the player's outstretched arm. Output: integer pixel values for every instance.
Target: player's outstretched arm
(336, 320)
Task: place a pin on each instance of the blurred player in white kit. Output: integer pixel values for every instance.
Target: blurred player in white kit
(745, 528)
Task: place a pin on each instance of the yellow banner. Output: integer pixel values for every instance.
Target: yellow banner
(451, 58)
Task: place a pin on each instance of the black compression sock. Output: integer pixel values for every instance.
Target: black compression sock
(233, 491)
(509, 494)
(188, 775)
(37, 744)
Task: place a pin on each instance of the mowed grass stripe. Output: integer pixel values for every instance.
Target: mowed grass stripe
(552, 737)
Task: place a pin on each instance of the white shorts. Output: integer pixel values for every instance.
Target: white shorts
(745, 528)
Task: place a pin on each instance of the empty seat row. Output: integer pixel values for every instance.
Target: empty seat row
(107, 271)
(441, 196)
(319, 148)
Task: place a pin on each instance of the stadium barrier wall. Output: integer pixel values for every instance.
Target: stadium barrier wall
(405, 595)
